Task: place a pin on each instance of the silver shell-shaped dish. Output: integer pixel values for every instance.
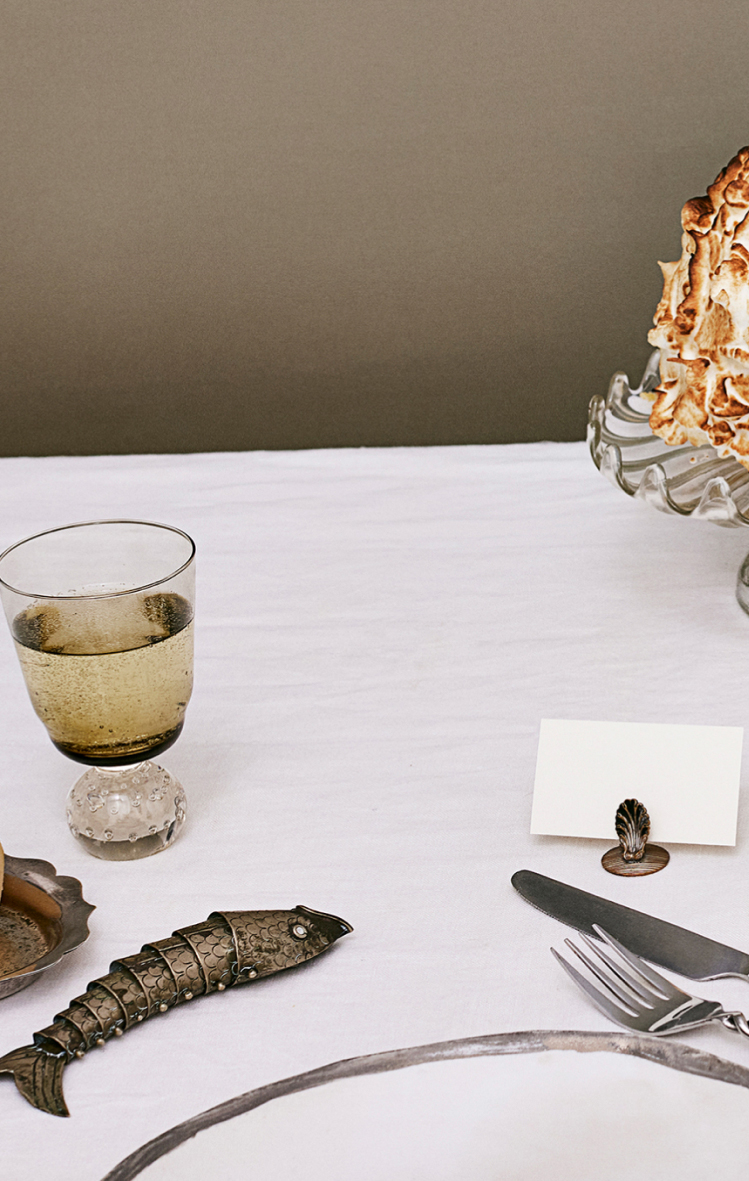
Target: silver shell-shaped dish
(42, 918)
(689, 481)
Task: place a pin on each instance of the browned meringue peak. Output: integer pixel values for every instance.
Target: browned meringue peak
(702, 322)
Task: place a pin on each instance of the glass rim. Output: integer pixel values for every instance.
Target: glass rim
(84, 525)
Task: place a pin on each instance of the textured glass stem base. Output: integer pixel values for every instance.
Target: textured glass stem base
(742, 585)
(127, 812)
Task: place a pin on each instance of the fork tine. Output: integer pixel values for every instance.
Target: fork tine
(667, 987)
(626, 998)
(638, 986)
(620, 1016)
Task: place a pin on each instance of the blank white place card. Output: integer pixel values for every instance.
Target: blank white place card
(686, 776)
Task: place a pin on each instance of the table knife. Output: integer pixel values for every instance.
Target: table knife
(654, 939)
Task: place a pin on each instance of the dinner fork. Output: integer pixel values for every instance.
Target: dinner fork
(638, 998)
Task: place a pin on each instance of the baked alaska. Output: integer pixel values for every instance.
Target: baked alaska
(702, 322)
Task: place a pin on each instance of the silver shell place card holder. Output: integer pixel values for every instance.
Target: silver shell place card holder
(633, 856)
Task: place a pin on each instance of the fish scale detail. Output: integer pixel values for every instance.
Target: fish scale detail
(227, 949)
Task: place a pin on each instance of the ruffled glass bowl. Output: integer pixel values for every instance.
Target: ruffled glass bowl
(685, 480)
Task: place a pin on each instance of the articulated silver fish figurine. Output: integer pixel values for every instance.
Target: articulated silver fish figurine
(228, 948)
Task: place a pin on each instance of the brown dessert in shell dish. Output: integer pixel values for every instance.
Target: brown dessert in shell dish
(702, 322)
(43, 916)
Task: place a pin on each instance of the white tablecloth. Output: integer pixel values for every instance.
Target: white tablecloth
(379, 633)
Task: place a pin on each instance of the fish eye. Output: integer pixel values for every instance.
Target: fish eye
(299, 931)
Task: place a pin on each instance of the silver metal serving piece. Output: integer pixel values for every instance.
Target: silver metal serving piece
(227, 949)
(638, 998)
(654, 939)
(43, 916)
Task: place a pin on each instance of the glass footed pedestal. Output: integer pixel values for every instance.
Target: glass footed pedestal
(124, 813)
(683, 480)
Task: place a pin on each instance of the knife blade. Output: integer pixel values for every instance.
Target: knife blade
(654, 939)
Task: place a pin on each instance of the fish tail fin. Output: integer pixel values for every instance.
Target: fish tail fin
(38, 1076)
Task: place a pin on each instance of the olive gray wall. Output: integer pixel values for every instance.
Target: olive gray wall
(235, 224)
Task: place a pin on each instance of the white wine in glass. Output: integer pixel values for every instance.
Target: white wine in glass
(101, 614)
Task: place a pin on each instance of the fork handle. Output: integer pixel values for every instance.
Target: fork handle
(737, 1022)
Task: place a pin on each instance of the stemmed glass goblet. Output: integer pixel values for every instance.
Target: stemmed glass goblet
(101, 614)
